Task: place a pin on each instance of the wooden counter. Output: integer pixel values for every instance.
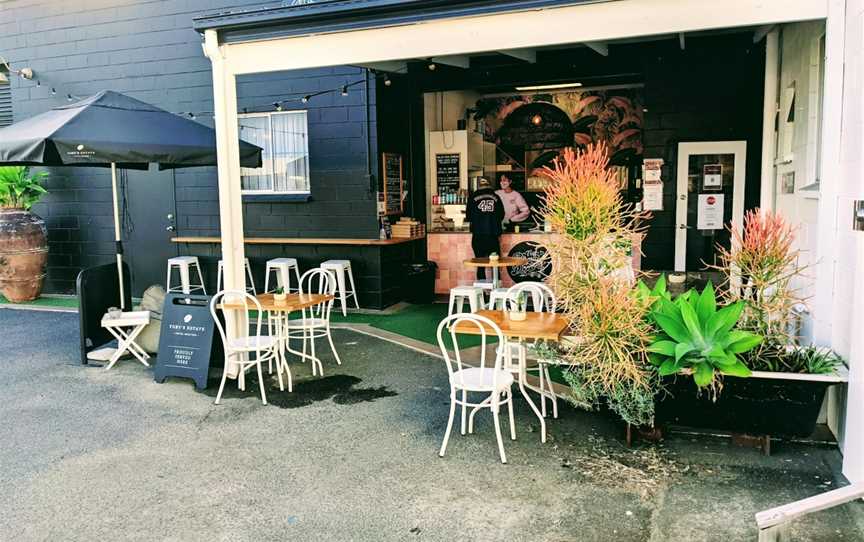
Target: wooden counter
(300, 241)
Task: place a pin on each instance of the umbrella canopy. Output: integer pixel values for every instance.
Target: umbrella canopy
(112, 130)
(110, 127)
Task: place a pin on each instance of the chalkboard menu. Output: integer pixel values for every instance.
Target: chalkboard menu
(533, 252)
(185, 339)
(447, 172)
(392, 183)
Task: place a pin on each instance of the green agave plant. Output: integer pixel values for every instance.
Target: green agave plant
(696, 335)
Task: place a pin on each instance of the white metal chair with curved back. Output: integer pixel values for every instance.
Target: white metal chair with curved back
(239, 350)
(492, 380)
(314, 322)
(542, 300)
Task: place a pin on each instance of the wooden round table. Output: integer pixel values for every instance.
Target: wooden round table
(495, 265)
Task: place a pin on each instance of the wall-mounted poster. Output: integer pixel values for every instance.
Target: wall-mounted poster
(393, 183)
(652, 196)
(712, 176)
(709, 215)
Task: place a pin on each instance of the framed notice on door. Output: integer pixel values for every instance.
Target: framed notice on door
(393, 183)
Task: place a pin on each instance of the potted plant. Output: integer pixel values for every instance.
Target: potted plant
(773, 386)
(517, 307)
(23, 240)
(279, 296)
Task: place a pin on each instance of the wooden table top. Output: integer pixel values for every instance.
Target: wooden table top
(293, 302)
(504, 261)
(537, 325)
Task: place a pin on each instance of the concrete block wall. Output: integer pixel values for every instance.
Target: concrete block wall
(149, 51)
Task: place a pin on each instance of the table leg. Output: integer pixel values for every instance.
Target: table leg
(495, 281)
(522, 379)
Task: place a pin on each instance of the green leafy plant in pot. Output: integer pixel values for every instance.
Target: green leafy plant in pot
(697, 337)
(23, 239)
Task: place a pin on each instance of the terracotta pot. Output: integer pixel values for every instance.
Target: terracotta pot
(23, 255)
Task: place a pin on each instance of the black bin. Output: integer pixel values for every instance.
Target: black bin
(419, 284)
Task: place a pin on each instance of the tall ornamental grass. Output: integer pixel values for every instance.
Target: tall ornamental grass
(607, 361)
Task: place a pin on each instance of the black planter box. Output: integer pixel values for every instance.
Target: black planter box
(754, 406)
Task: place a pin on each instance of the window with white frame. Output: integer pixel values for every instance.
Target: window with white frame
(284, 138)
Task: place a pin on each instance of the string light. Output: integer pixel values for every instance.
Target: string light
(277, 106)
(345, 90)
(432, 66)
(306, 98)
(387, 81)
(53, 91)
(69, 98)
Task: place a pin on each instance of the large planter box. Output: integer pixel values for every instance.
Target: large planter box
(776, 404)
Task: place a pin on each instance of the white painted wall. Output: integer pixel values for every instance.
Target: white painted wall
(847, 335)
(799, 70)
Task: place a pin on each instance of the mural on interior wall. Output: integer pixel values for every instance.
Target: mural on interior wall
(537, 124)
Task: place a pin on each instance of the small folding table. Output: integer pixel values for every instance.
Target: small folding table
(125, 329)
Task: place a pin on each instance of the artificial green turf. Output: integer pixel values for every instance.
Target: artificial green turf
(54, 302)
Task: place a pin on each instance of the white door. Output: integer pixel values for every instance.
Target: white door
(710, 197)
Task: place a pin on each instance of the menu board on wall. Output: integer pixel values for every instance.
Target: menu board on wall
(392, 183)
(447, 172)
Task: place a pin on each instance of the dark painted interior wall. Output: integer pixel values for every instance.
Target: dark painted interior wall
(712, 90)
(149, 51)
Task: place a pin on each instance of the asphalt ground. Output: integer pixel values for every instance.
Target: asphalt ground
(88, 454)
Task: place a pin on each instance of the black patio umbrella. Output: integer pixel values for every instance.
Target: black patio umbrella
(112, 130)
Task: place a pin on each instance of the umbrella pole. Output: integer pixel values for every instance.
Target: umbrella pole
(117, 234)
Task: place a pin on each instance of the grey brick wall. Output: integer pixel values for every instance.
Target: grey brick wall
(148, 50)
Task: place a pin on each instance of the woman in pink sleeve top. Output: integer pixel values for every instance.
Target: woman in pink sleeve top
(515, 207)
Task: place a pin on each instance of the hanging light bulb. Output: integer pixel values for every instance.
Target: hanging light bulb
(38, 84)
(432, 66)
(69, 98)
(192, 115)
(277, 106)
(305, 99)
(387, 81)
(53, 91)
(345, 90)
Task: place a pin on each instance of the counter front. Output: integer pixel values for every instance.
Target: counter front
(450, 249)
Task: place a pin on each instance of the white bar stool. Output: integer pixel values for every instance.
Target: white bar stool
(339, 268)
(282, 267)
(249, 288)
(183, 264)
(473, 294)
(497, 298)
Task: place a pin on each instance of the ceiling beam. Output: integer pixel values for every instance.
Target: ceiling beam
(762, 31)
(681, 42)
(526, 55)
(396, 66)
(457, 61)
(598, 47)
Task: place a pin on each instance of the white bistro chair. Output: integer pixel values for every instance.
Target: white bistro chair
(340, 268)
(250, 287)
(542, 300)
(241, 350)
(184, 265)
(282, 267)
(488, 378)
(314, 322)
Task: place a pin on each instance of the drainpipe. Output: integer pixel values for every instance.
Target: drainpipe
(767, 193)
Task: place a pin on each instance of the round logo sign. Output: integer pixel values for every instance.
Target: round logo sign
(80, 147)
(711, 200)
(532, 252)
(187, 318)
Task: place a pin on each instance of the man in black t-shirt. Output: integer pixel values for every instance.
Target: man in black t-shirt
(484, 211)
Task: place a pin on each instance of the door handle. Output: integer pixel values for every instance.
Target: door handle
(683, 226)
